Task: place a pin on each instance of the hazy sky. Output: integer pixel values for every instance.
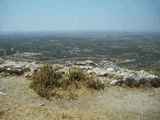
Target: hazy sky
(77, 15)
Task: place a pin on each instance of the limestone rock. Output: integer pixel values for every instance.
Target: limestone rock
(1, 60)
(2, 94)
(101, 73)
(155, 82)
(86, 63)
(142, 81)
(111, 70)
(40, 104)
(115, 82)
(131, 80)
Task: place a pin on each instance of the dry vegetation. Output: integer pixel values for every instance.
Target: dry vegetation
(156, 71)
(50, 83)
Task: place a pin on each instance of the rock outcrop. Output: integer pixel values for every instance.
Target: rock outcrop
(10, 67)
(111, 72)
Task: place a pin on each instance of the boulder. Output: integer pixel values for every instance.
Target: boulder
(142, 81)
(151, 77)
(155, 82)
(131, 80)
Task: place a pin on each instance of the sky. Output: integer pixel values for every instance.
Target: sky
(79, 15)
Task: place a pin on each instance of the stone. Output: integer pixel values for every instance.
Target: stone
(1, 60)
(28, 74)
(58, 66)
(2, 94)
(155, 82)
(89, 62)
(111, 70)
(101, 73)
(142, 71)
(3, 74)
(86, 62)
(101, 80)
(9, 68)
(82, 67)
(89, 72)
(151, 77)
(131, 80)
(142, 81)
(40, 104)
(115, 82)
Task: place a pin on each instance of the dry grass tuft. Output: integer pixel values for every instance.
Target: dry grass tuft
(156, 71)
(49, 83)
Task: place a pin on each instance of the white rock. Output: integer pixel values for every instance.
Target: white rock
(82, 67)
(89, 72)
(142, 71)
(131, 80)
(40, 104)
(2, 94)
(101, 73)
(151, 76)
(88, 62)
(101, 80)
(132, 76)
(111, 70)
(89, 67)
(8, 68)
(114, 82)
(29, 65)
(28, 74)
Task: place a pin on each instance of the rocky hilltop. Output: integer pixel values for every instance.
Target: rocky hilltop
(106, 71)
(128, 94)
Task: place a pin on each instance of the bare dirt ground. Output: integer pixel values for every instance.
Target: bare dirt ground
(113, 103)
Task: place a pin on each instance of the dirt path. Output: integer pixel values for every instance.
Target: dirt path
(20, 102)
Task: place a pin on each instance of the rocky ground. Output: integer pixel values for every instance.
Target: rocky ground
(122, 98)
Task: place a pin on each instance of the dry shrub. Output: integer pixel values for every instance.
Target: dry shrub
(48, 82)
(95, 84)
(1, 113)
(76, 74)
(80, 78)
(156, 71)
(45, 80)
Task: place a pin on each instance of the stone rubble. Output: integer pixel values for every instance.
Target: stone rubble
(9, 67)
(106, 69)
